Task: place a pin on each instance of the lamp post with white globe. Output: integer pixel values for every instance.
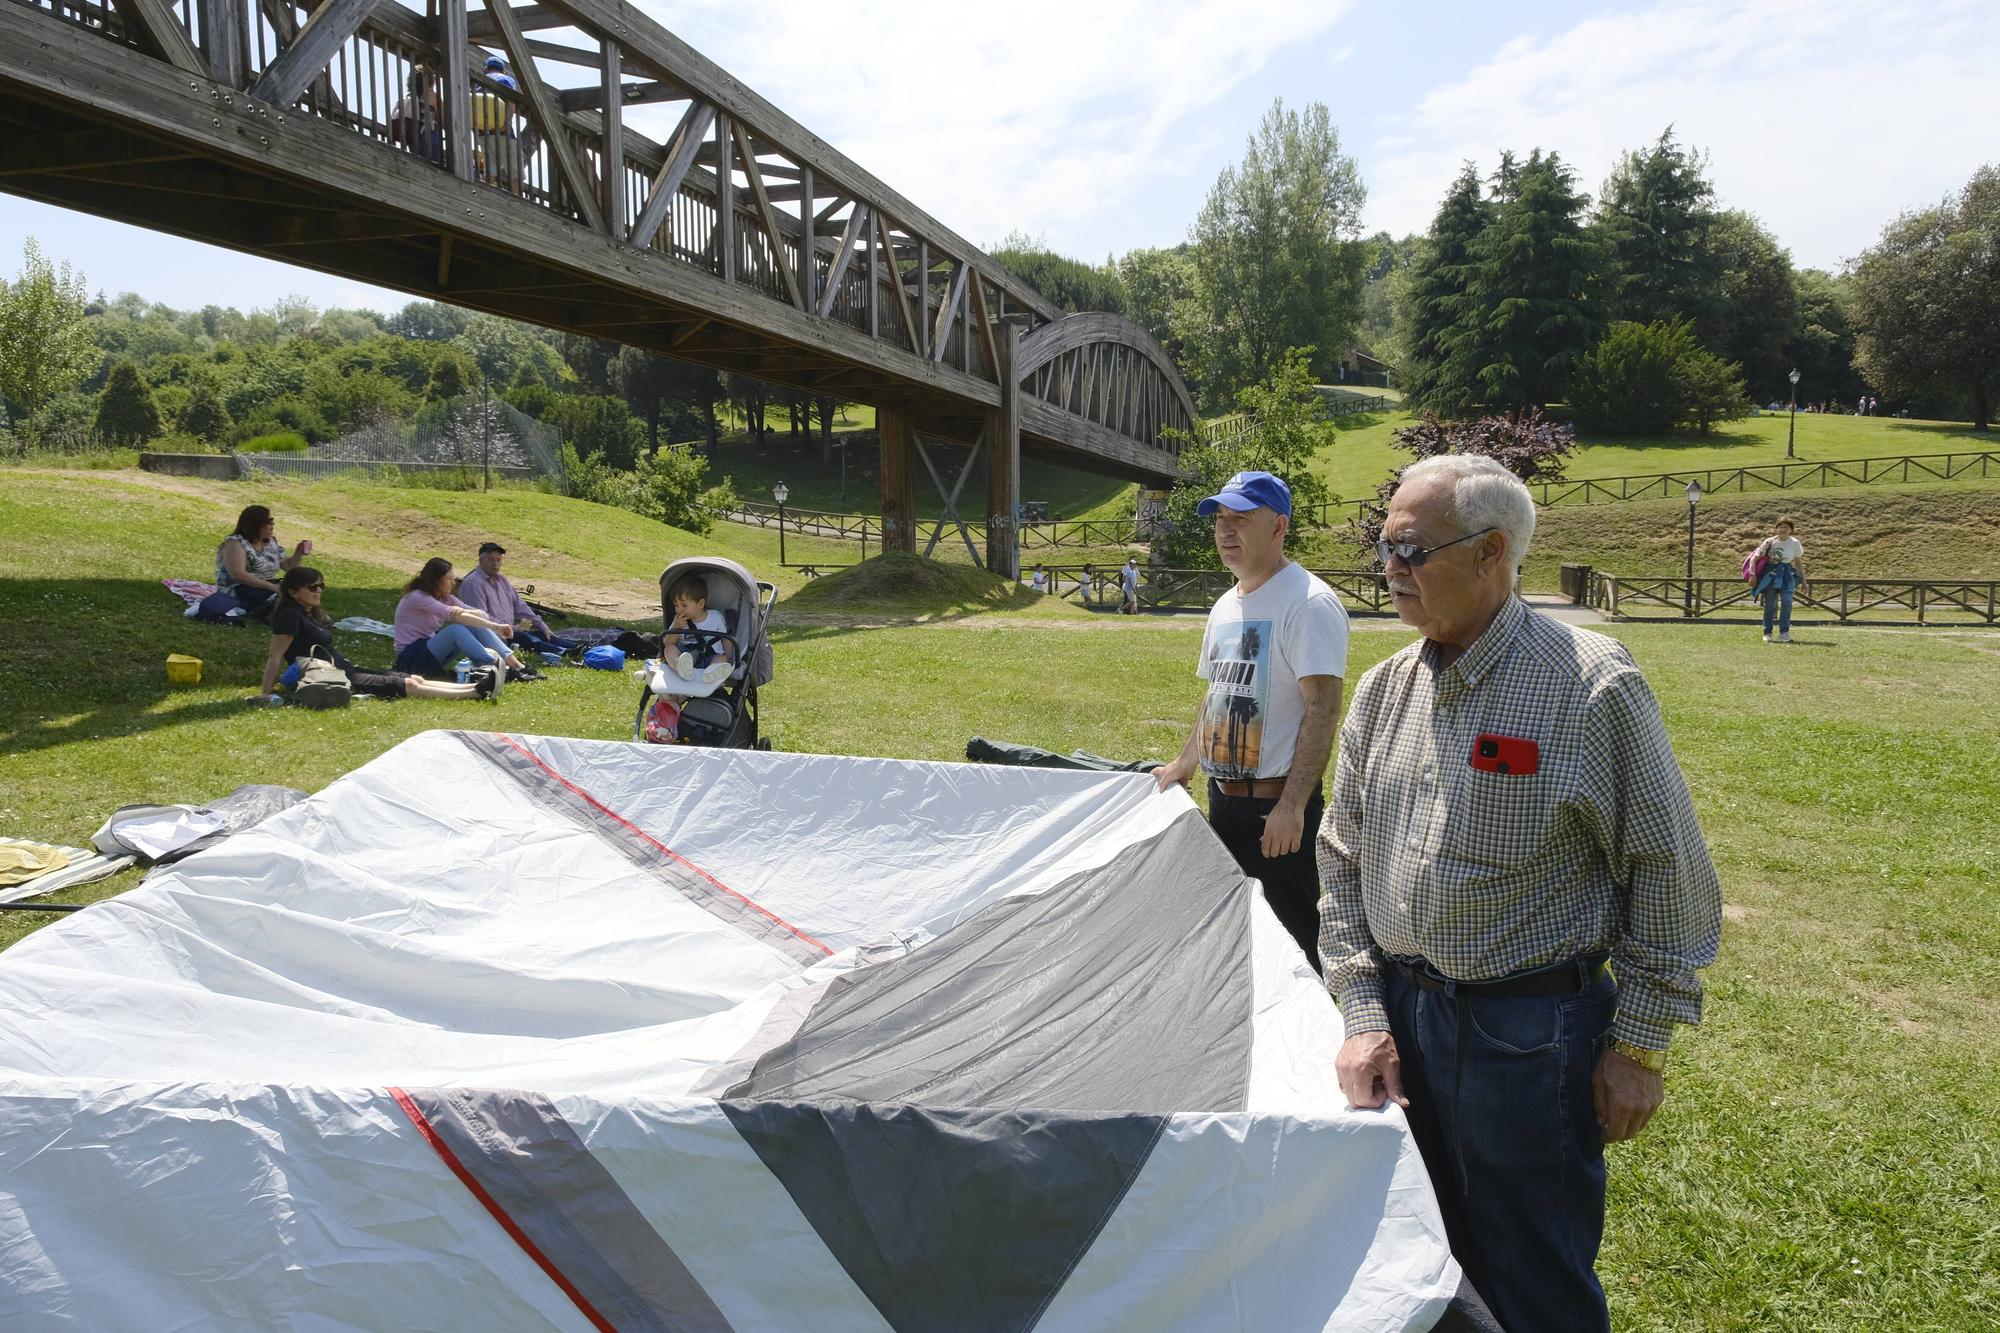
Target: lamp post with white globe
(1791, 431)
(1694, 498)
(779, 493)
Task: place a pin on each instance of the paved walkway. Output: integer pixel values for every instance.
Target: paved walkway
(1561, 608)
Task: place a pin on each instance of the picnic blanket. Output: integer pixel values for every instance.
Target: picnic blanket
(364, 625)
(190, 591)
(83, 866)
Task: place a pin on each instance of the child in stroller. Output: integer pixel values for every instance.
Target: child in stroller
(713, 656)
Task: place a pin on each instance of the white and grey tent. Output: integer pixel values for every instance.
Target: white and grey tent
(523, 1033)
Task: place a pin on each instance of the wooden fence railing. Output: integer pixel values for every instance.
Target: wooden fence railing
(1197, 589)
(1887, 470)
(1893, 469)
(1939, 602)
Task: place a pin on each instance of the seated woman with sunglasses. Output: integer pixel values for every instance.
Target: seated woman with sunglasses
(300, 627)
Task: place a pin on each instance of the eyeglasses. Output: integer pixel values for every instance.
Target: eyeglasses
(1414, 555)
(312, 587)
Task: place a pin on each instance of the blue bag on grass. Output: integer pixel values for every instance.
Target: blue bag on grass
(604, 658)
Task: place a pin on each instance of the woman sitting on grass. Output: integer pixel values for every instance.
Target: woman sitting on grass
(299, 625)
(432, 627)
(250, 559)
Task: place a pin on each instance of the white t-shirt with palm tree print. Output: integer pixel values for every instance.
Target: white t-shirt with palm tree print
(1254, 652)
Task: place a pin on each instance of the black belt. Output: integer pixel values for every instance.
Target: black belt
(1568, 978)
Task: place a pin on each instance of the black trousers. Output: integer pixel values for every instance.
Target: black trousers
(1291, 882)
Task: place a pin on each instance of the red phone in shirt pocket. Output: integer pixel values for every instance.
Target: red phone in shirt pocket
(1516, 755)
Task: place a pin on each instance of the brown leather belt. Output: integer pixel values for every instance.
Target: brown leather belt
(1255, 788)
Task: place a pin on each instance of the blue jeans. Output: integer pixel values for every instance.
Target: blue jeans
(1778, 606)
(1508, 1128)
(536, 643)
(455, 640)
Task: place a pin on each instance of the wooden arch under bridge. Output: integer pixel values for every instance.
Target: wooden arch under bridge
(652, 199)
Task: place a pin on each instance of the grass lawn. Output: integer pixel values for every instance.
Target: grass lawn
(1826, 1157)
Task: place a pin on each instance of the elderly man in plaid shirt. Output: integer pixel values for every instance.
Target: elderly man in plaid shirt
(1516, 896)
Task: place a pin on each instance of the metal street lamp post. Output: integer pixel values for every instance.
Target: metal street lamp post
(1694, 498)
(779, 493)
(1791, 431)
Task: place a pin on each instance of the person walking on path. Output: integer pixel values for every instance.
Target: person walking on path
(1128, 586)
(1784, 571)
(1273, 655)
(1518, 898)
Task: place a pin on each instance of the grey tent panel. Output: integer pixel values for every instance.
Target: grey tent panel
(959, 1221)
(640, 848)
(537, 1171)
(1125, 988)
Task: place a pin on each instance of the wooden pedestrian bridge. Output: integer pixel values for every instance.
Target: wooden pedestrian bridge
(609, 181)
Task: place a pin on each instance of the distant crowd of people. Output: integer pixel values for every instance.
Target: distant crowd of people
(1867, 405)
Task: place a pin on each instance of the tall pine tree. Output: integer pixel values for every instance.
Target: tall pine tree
(1654, 221)
(1432, 303)
(1530, 300)
(126, 413)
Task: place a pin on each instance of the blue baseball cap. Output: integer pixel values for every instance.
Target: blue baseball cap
(1250, 490)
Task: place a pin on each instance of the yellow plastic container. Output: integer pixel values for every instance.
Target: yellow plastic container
(183, 670)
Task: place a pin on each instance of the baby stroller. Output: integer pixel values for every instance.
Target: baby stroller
(721, 713)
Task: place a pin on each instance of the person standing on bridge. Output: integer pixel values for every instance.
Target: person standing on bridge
(493, 120)
(1518, 897)
(1273, 656)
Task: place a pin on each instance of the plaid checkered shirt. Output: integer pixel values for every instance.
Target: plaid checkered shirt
(1484, 874)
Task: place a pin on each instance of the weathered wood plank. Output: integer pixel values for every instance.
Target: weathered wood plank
(808, 253)
(948, 311)
(911, 328)
(632, 94)
(680, 156)
(725, 197)
(755, 174)
(222, 42)
(157, 24)
(611, 158)
(857, 224)
(984, 318)
(527, 18)
(457, 95)
(581, 190)
(320, 37)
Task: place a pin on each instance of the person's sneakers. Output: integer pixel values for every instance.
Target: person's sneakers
(486, 683)
(1767, 637)
(715, 671)
(523, 675)
(1785, 638)
(684, 666)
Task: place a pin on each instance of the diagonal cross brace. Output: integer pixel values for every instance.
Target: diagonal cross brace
(951, 500)
(319, 40)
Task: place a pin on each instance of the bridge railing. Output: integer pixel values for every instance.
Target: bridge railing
(1939, 602)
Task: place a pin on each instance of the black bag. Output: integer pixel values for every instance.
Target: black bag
(634, 644)
(322, 684)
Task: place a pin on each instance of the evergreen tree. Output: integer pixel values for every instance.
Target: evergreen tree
(126, 413)
(1654, 225)
(205, 417)
(1432, 307)
(1529, 298)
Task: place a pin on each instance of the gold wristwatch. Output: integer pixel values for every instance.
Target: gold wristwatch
(1639, 1055)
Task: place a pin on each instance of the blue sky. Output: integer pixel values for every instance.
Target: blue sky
(1099, 126)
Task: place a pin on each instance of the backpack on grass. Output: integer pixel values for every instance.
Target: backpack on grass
(321, 684)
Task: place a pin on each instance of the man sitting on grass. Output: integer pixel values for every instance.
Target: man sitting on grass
(487, 591)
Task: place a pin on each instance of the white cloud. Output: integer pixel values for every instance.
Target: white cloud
(1340, 56)
(1825, 118)
(1036, 115)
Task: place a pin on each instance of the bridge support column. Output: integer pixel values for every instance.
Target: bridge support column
(899, 478)
(1003, 457)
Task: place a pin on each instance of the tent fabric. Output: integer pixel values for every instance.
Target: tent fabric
(529, 1032)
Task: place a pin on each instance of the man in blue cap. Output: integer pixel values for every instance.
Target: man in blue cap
(1273, 656)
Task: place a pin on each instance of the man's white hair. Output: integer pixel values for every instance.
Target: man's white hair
(1483, 495)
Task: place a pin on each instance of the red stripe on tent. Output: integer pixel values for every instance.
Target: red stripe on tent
(492, 1206)
(654, 842)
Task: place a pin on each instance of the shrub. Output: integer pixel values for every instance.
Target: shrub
(1647, 379)
(1527, 444)
(181, 442)
(598, 424)
(277, 442)
(1630, 383)
(126, 413)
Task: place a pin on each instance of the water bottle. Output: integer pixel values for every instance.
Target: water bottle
(463, 668)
